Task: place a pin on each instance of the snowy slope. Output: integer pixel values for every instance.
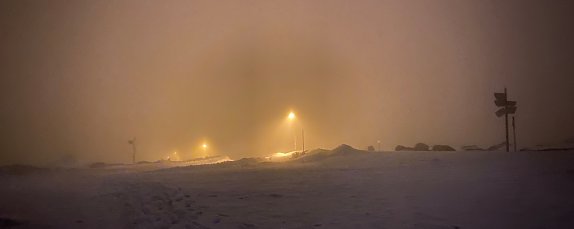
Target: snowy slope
(342, 188)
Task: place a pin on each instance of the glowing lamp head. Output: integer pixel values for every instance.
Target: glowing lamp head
(204, 146)
(291, 116)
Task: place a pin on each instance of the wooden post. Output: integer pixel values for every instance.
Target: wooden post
(134, 153)
(133, 143)
(514, 133)
(506, 122)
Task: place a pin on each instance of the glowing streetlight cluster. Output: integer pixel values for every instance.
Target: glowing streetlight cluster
(175, 156)
(291, 118)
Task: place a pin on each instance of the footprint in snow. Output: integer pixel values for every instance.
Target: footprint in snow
(247, 226)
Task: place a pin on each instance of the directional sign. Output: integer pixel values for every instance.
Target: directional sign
(501, 100)
(506, 108)
(500, 96)
(511, 110)
(500, 103)
(502, 111)
(504, 103)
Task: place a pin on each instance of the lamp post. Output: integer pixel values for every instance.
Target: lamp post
(302, 140)
(291, 117)
(204, 146)
(133, 143)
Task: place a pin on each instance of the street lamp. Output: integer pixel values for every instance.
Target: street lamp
(204, 146)
(291, 117)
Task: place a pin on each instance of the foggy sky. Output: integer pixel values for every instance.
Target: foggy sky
(80, 78)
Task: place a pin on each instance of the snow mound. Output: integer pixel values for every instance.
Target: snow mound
(345, 149)
(21, 170)
(565, 146)
(280, 156)
(418, 147)
(442, 148)
(322, 154)
(243, 162)
(496, 147)
(421, 147)
(472, 148)
(206, 161)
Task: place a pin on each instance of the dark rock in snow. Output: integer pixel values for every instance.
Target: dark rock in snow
(403, 148)
(421, 147)
(442, 148)
(21, 170)
(497, 146)
(472, 148)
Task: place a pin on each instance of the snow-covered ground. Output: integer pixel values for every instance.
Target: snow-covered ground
(342, 188)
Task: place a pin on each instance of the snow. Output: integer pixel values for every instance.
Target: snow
(340, 188)
(552, 147)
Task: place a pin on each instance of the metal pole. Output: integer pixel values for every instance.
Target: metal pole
(514, 133)
(506, 121)
(294, 141)
(302, 140)
(134, 151)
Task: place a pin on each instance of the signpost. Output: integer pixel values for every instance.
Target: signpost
(514, 133)
(133, 143)
(506, 107)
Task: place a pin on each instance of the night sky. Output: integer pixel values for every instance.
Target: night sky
(81, 78)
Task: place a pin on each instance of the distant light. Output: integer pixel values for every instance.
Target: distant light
(204, 145)
(291, 115)
(280, 154)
